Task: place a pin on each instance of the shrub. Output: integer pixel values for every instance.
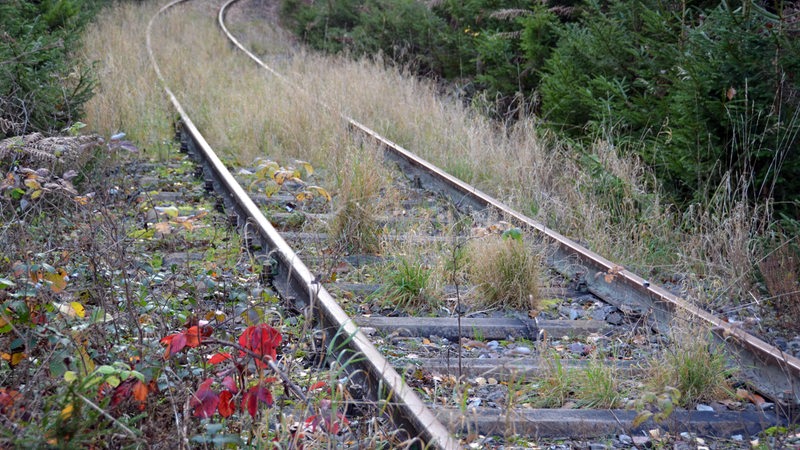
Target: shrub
(715, 90)
(41, 89)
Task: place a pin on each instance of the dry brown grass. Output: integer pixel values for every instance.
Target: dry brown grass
(360, 177)
(129, 97)
(781, 273)
(506, 271)
(244, 113)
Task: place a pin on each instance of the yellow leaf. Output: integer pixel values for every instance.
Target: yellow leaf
(70, 376)
(217, 315)
(282, 175)
(80, 311)
(87, 365)
(302, 196)
(8, 181)
(320, 191)
(57, 279)
(187, 225)
(36, 194)
(307, 167)
(66, 413)
(82, 200)
(32, 183)
(271, 189)
(267, 170)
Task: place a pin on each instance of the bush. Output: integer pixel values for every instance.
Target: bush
(701, 89)
(710, 91)
(41, 89)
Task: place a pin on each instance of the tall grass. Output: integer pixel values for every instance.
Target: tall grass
(129, 97)
(602, 197)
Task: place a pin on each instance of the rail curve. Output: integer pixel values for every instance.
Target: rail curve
(768, 369)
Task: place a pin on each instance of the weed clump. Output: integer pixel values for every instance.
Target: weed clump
(409, 284)
(694, 365)
(505, 271)
(354, 226)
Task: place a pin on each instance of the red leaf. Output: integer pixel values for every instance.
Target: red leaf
(226, 404)
(122, 392)
(219, 357)
(318, 385)
(229, 383)
(250, 402)
(263, 340)
(193, 335)
(7, 399)
(312, 423)
(253, 396)
(205, 400)
(175, 343)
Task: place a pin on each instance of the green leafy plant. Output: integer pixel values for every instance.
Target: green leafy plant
(407, 284)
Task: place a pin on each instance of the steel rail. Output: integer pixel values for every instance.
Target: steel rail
(293, 277)
(770, 370)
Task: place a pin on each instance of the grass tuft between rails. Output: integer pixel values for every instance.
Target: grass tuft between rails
(506, 271)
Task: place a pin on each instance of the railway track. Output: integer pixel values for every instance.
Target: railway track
(602, 316)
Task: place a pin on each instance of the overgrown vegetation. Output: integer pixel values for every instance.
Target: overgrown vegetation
(43, 88)
(112, 332)
(698, 90)
(694, 365)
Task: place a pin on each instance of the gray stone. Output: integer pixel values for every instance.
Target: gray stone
(614, 318)
(625, 439)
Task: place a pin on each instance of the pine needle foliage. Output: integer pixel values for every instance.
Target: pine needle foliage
(41, 88)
